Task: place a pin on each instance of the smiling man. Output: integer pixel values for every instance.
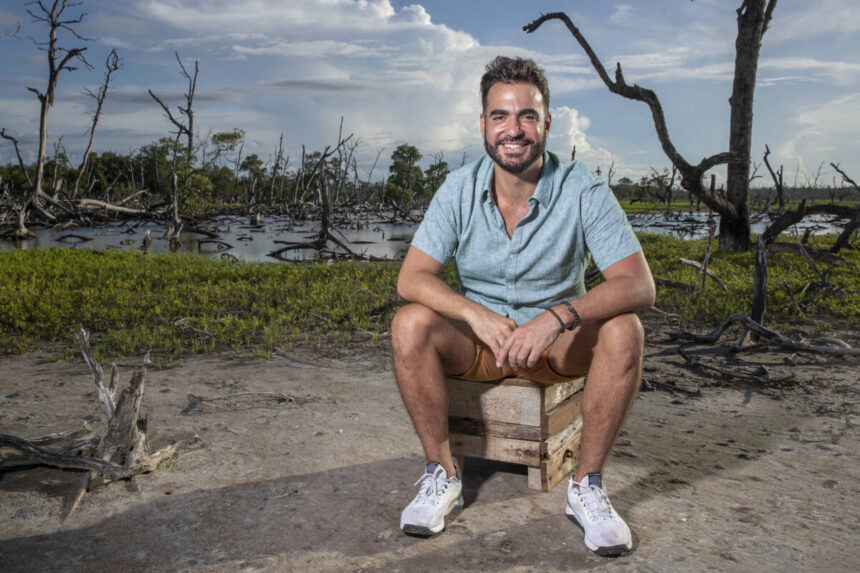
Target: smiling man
(523, 226)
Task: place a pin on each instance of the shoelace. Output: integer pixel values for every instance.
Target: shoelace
(595, 502)
(432, 489)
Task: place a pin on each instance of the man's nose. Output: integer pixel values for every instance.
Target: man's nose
(513, 127)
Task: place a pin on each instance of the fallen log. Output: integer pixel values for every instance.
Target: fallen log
(771, 336)
(95, 203)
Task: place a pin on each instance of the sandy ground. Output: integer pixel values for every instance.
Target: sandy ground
(711, 475)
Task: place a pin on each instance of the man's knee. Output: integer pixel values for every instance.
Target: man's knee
(624, 338)
(412, 326)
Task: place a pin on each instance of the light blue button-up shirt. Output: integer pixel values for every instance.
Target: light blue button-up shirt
(572, 215)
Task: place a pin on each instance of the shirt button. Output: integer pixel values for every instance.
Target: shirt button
(511, 287)
(511, 257)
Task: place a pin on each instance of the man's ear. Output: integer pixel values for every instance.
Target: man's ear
(483, 126)
(548, 122)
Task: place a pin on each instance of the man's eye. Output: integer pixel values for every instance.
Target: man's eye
(531, 117)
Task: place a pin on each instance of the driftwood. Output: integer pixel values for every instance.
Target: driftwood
(220, 245)
(95, 203)
(706, 270)
(120, 450)
(771, 336)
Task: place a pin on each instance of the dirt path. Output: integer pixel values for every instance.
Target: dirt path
(733, 479)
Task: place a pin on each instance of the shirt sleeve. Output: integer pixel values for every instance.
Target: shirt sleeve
(608, 233)
(437, 234)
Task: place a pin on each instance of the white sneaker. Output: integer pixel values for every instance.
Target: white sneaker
(605, 532)
(438, 496)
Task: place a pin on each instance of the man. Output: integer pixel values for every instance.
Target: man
(523, 226)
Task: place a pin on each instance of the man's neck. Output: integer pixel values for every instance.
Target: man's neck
(516, 187)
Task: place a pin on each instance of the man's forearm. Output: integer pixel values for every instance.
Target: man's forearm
(428, 289)
(616, 296)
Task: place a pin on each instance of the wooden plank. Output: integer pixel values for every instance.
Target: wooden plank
(555, 469)
(513, 401)
(491, 428)
(561, 416)
(499, 449)
(554, 443)
(555, 394)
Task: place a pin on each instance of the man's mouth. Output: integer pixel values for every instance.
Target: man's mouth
(515, 145)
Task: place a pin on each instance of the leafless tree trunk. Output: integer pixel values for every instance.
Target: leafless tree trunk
(277, 165)
(182, 128)
(112, 64)
(753, 19)
(59, 59)
(777, 182)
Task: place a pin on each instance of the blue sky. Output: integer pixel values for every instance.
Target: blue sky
(400, 72)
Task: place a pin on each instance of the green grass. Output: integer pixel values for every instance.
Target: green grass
(795, 296)
(132, 302)
(136, 302)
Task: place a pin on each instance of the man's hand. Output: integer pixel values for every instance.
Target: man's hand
(526, 343)
(492, 328)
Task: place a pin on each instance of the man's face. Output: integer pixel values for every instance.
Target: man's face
(514, 125)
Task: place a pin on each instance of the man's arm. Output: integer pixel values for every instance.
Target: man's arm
(419, 282)
(629, 287)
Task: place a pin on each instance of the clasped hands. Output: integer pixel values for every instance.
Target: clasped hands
(519, 346)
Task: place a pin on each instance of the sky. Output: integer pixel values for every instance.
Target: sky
(400, 72)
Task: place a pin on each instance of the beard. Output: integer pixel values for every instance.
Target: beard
(517, 166)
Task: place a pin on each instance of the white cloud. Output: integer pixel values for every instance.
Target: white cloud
(623, 14)
(568, 131)
(823, 133)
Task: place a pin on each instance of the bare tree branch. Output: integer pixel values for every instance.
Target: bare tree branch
(691, 175)
(112, 64)
(14, 141)
(771, 336)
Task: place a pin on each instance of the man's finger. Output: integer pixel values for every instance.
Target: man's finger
(501, 353)
(533, 357)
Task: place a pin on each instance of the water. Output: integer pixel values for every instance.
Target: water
(370, 236)
(695, 225)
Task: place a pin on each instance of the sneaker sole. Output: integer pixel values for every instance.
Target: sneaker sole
(609, 551)
(424, 531)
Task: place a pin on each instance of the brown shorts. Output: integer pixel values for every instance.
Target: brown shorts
(484, 369)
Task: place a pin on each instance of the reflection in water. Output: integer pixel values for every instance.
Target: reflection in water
(232, 236)
(235, 237)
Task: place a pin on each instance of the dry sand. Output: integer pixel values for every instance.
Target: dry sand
(710, 476)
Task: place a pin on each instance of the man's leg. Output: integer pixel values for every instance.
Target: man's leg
(610, 352)
(425, 346)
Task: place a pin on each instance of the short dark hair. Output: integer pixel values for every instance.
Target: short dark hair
(513, 70)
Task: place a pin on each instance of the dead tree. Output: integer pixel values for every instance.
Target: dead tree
(118, 451)
(185, 128)
(777, 182)
(112, 64)
(753, 18)
(59, 59)
(278, 159)
(316, 179)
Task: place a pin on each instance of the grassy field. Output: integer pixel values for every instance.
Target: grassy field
(173, 304)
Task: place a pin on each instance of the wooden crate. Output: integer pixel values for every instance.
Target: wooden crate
(520, 422)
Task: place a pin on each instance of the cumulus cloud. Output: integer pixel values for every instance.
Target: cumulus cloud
(568, 131)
